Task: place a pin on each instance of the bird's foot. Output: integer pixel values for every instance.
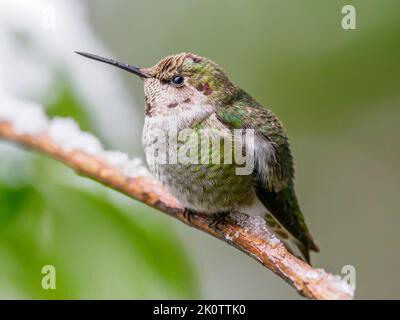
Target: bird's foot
(187, 214)
(217, 219)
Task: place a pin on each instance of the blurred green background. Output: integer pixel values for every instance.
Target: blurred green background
(337, 92)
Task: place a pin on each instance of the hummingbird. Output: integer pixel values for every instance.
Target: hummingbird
(188, 91)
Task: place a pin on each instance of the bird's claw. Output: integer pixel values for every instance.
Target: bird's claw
(187, 214)
(217, 219)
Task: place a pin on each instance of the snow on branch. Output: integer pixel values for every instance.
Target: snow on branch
(61, 138)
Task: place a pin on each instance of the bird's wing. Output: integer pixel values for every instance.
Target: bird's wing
(273, 186)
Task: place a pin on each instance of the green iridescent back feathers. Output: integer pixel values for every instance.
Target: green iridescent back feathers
(278, 196)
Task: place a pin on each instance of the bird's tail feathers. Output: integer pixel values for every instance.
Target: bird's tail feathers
(292, 244)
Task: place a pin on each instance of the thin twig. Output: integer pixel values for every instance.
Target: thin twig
(309, 282)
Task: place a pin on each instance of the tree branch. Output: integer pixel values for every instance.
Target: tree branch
(309, 282)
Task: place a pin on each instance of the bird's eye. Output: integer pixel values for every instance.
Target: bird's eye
(177, 81)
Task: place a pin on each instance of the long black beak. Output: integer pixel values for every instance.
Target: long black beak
(115, 63)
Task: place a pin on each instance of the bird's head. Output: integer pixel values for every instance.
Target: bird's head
(179, 83)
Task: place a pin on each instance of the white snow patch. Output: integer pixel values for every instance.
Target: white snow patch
(313, 274)
(65, 133)
(335, 281)
(130, 167)
(257, 226)
(29, 118)
(341, 285)
(26, 117)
